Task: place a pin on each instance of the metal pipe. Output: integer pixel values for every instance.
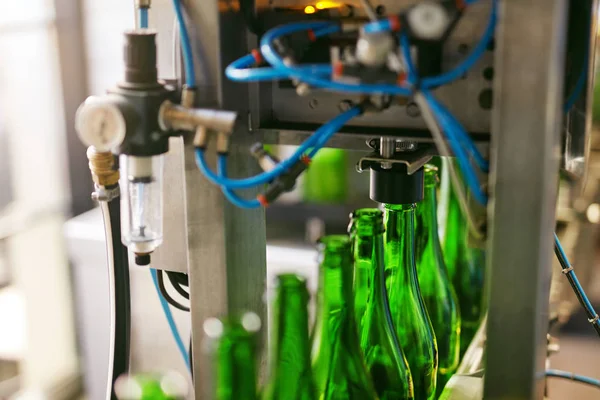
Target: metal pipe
(176, 117)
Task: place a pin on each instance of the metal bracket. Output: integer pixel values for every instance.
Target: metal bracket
(103, 194)
(413, 160)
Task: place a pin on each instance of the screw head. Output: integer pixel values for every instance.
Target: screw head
(345, 105)
(373, 143)
(313, 103)
(413, 110)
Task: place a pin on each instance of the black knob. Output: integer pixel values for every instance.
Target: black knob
(142, 259)
(140, 57)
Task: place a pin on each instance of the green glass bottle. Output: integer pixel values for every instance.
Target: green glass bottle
(339, 369)
(466, 267)
(233, 343)
(170, 386)
(436, 288)
(411, 321)
(381, 349)
(291, 375)
(326, 181)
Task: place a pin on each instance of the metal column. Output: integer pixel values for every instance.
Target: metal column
(526, 123)
(227, 245)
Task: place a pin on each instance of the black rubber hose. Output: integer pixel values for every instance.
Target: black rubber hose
(166, 295)
(176, 282)
(121, 302)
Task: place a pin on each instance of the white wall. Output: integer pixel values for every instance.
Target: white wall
(31, 104)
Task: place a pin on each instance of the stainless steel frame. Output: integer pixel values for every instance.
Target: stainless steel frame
(226, 256)
(525, 150)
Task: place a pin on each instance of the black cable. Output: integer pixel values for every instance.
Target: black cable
(190, 356)
(178, 287)
(180, 278)
(167, 296)
(122, 299)
(252, 22)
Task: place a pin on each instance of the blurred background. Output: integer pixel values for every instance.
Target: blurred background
(54, 311)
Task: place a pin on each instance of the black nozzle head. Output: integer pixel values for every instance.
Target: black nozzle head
(395, 185)
(142, 260)
(140, 57)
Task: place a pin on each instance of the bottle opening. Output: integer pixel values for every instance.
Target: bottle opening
(366, 222)
(290, 280)
(334, 243)
(400, 207)
(431, 174)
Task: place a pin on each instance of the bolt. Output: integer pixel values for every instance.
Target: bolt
(405, 145)
(412, 109)
(345, 105)
(373, 143)
(386, 165)
(302, 89)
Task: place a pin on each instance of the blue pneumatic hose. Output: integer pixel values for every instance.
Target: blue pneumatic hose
(228, 193)
(273, 58)
(170, 320)
(554, 373)
(329, 128)
(143, 17)
(186, 46)
(568, 270)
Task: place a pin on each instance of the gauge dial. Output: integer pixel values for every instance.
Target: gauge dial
(100, 123)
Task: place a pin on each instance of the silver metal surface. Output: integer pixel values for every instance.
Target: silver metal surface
(278, 107)
(227, 256)
(527, 118)
(176, 117)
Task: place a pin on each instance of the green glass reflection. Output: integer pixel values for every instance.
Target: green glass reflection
(412, 324)
(436, 288)
(291, 375)
(381, 349)
(233, 343)
(339, 369)
(466, 268)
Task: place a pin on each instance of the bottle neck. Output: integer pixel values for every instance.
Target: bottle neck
(456, 228)
(290, 331)
(400, 244)
(427, 214)
(369, 255)
(335, 280)
(236, 374)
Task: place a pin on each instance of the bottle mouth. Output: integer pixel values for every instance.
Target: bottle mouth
(290, 280)
(334, 242)
(366, 221)
(431, 174)
(400, 207)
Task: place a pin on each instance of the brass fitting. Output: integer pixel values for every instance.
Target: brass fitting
(143, 3)
(102, 167)
(188, 97)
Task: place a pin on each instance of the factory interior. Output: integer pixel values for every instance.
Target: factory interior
(299, 200)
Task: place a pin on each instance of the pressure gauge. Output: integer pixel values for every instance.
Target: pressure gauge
(100, 123)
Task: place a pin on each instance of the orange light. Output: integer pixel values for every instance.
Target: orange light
(322, 5)
(309, 10)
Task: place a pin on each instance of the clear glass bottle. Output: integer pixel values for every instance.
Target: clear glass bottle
(436, 288)
(381, 349)
(339, 369)
(411, 321)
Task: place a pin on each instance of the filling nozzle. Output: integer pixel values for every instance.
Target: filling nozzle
(142, 204)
